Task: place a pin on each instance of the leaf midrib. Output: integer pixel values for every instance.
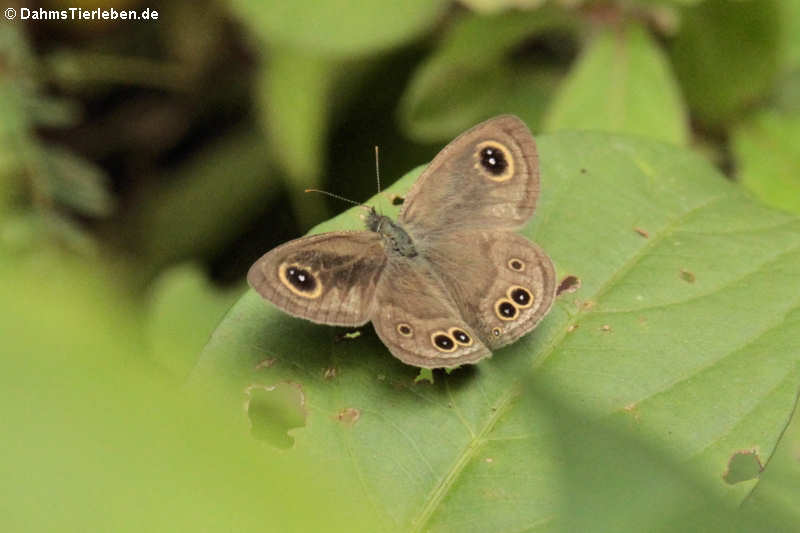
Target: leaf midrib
(468, 452)
(466, 455)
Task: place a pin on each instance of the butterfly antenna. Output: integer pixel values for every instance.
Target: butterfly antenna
(377, 169)
(333, 196)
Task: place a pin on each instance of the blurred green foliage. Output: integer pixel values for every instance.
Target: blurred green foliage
(144, 166)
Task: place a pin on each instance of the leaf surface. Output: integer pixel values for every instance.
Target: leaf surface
(685, 333)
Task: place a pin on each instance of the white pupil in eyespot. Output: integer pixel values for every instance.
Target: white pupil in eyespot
(301, 278)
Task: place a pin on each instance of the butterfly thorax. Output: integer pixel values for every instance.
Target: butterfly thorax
(394, 237)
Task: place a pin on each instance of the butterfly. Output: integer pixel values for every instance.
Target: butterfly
(448, 281)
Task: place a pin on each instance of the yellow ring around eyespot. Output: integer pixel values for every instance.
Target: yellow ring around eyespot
(288, 284)
(440, 332)
(450, 332)
(507, 174)
(410, 329)
(500, 315)
(518, 260)
(519, 305)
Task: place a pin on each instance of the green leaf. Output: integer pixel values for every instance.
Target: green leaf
(726, 56)
(213, 195)
(622, 83)
(493, 6)
(184, 308)
(767, 153)
(472, 75)
(295, 94)
(780, 484)
(339, 27)
(685, 333)
(790, 19)
(75, 182)
(95, 439)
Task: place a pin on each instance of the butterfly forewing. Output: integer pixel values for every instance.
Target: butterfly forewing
(487, 178)
(328, 278)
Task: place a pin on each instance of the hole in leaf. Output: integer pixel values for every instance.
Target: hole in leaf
(348, 336)
(397, 200)
(425, 374)
(274, 410)
(742, 466)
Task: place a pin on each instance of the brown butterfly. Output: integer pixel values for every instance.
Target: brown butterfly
(449, 281)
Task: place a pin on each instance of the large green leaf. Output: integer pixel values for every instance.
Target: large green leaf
(767, 152)
(294, 105)
(95, 439)
(341, 27)
(622, 83)
(727, 55)
(473, 74)
(684, 336)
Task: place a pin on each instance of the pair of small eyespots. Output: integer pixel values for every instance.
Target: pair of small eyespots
(444, 341)
(508, 307)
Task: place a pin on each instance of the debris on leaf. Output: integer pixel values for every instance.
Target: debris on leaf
(568, 284)
(348, 416)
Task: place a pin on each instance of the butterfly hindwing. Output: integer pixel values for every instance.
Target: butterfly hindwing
(418, 321)
(502, 283)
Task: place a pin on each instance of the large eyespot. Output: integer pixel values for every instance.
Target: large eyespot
(404, 329)
(494, 161)
(443, 342)
(505, 309)
(460, 336)
(300, 281)
(521, 296)
(517, 265)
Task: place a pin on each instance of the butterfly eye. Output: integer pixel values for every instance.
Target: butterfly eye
(494, 161)
(521, 296)
(443, 342)
(460, 336)
(404, 330)
(505, 309)
(300, 281)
